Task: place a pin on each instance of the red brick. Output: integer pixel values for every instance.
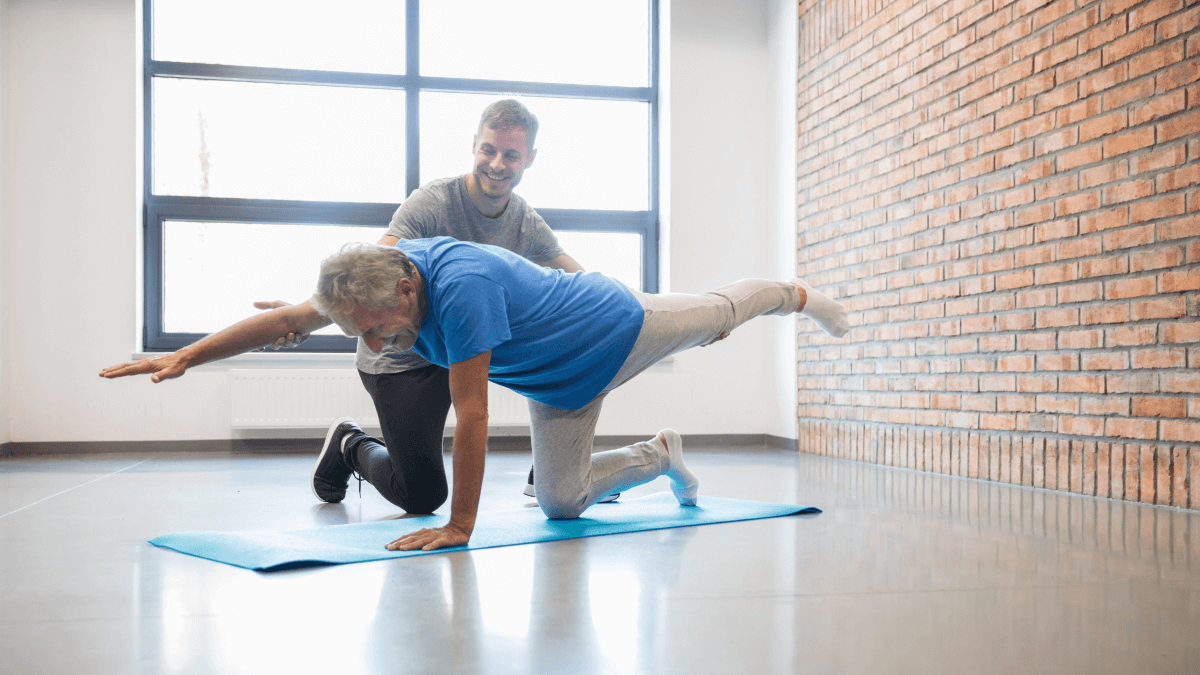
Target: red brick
(1081, 426)
(1181, 383)
(1105, 79)
(1041, 297)
(1007, 322)
(1159, 407)
(1148, 12)
(1079, 293)
(1057, 97)
(1161, 308)
(1120, 289)
(1034, 214)
(1056, 318)
(1187, 432)
(1154, 59)
(1105, 361)
(1162, 207)
(1105, 314)
(1105, 173)
(1040, 341)
(997, 383)
(1128, 45)
(1014, 155)
(1105, 405)
(1102, 126)
(1159, 106)
(1139, 90)
(1179, 126)
(1174, 333)
(1102, 34)
(1088, 154)
(1179, 228)
(1125, 383)
(1086, 201)
(1129, 237)
(1057, 404)
(1078, 67)
(1179, 281)
(1079, 247)
(1013, 280)
(1080, 339)
(1041, 383)
(1057, 362)
(1128, 142)
(1180, 178)
(1126, 336)
(1141, 261)
(1177, 76)
(1104, 220)
(1123, 428)
(1157, 159)
(1182, 24)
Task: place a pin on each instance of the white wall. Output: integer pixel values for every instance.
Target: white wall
(71, 188)
(783, 41)
(3, 218)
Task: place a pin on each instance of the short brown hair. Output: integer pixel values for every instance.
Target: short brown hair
(510, 113)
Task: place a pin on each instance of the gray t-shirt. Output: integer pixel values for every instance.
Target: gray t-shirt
(441, 208)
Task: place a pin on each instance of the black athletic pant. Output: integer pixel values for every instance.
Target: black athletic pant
(406, 467)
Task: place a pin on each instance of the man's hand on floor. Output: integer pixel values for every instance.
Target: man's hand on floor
(431, 539)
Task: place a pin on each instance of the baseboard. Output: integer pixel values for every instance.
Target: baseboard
(307, 445)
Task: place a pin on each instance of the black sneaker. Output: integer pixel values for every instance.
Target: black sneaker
(331, 473)
(530, 492)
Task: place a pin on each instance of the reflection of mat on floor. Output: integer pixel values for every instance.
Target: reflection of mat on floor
(360, 542)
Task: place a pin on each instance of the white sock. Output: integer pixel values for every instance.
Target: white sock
(825, 311)
(684, 483)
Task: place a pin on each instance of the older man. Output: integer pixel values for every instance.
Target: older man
(561, 340)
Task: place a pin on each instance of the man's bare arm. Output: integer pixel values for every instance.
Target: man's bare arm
(468, 391)
(243, 336)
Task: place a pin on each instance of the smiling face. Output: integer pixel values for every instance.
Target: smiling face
(501, 157)
(399, 325)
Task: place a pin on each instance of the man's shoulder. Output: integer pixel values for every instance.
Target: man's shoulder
(439, 191)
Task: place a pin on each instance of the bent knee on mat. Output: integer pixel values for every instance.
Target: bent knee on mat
(561, 509)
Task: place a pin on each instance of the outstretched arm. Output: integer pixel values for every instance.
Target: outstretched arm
(243, 336)
(469, 391)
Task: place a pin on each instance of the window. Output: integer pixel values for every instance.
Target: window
(277, 130)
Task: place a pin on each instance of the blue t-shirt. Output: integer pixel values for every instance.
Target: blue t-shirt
(556, 338)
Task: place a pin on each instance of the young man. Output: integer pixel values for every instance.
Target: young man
(411, 395)
(561, 340)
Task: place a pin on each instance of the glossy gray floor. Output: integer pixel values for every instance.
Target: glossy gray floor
(903, 573)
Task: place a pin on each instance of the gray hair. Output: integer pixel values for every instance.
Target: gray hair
(360, 274)
(510, 113)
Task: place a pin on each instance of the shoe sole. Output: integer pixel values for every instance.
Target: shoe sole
(312, 483)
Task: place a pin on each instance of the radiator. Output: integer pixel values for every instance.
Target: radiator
(312, 398)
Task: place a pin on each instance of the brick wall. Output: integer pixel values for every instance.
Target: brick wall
(1006, 195)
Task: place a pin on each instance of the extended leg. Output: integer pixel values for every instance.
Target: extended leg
(412, 407)
(677, 321)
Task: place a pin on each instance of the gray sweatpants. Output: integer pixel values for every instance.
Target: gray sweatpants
(568, 477)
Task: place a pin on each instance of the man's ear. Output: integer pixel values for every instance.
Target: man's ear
(530, 158)
(474, 144)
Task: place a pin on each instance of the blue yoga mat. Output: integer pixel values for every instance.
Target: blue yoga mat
(361, 542)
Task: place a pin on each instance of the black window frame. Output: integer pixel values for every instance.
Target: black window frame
(159, 208)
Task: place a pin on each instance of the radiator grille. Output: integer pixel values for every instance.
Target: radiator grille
(311, 398)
